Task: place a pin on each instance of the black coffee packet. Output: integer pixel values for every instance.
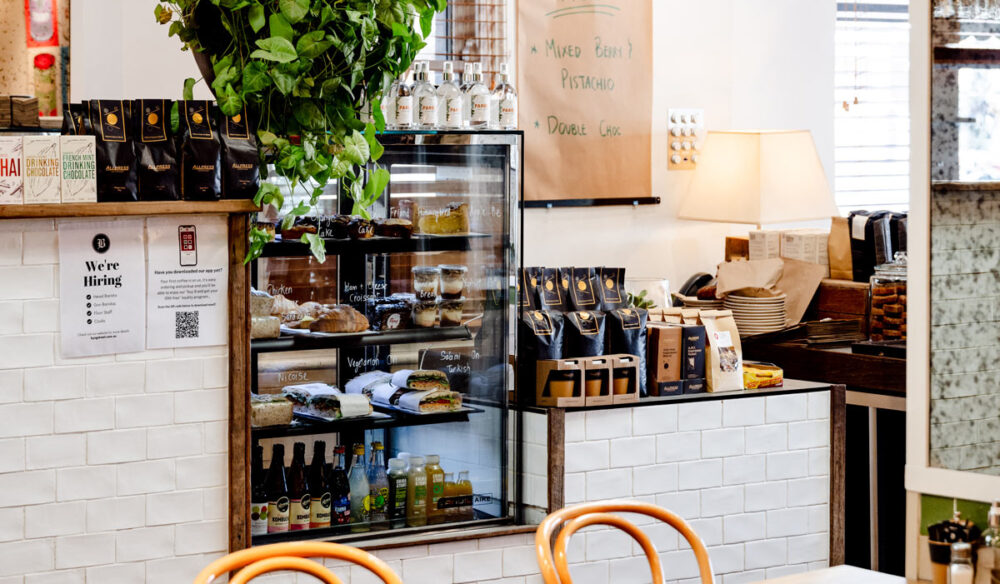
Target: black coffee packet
(526, 297)
(532, 281)
(626, 334)
(540, 337)
(565, 279)
(116, 165)
(550, 296)
(240, 161)
(584, 336)
(73, 116)
(155, 151)
(611, 283)
(582, 294)
(201, 152)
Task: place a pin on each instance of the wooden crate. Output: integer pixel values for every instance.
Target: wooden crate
(842, 299)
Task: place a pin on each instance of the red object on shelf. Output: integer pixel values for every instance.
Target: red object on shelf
(41, 26)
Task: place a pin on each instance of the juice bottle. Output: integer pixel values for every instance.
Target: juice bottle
(379, 484)
(397, 492)
(450, 492)
(416, 493)
(465, 511)
(435, 488)
(360, 491)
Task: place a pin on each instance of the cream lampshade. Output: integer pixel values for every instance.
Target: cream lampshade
(758, 177)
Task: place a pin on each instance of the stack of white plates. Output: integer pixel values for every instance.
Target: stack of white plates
(757, 315)
(694, 302)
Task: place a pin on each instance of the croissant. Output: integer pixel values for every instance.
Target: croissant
(339, 318)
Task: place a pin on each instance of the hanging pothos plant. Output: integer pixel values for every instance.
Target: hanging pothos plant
(304, 69)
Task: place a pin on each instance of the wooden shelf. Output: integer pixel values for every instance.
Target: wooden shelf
(225, 206)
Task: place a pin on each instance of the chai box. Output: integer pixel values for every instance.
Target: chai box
(625, 378)
(597, 381)
(41, 169)
(79, 169)
(663, 355)
(559, 383)
(11, 171)
(693, 352)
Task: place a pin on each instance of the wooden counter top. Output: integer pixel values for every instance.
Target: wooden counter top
(54, 210)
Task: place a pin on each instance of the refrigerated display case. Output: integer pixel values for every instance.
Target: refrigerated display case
(462, 192)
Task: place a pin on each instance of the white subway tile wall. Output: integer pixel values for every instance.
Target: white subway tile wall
(113, 469)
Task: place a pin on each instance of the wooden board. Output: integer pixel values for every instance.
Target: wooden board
(122, 209)
(838, 473)
(239, 384)
(585, 98)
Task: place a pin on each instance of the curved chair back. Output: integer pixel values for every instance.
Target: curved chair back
(554, 564)
(255, 561)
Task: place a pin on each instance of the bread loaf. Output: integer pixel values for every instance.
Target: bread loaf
(339, 318)
(261, 303)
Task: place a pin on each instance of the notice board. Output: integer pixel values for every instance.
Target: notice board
(585, 96)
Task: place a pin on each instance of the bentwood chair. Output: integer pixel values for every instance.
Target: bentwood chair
(293, 556)
(555, 570)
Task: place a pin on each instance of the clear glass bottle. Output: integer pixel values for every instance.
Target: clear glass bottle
(425, 99)
(505, 101)
(477, 100)
(416, 493)
(388, 104)
(360, 491)
(435, 488)
(960, 571)
(989, 552)
(402, 119)
(378, 483)
(397, 492)
(449, 100)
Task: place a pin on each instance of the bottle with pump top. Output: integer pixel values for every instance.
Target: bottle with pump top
(435, 488)
(402, 101)
(277, 492)
(258, 493)
(321, 506)
(360, 491)
(425, 99)
(378, 482)
(298, 490)
(397, 492)
(989, 552)
(477, 99)
(340, 488)
(449, 100)
(416, 493)
(505, 101)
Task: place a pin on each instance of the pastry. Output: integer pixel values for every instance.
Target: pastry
(360, 228)
(339, 318)
(265, 327)
(269, 410)
(267, 228)
(452, 219)
(451, 312)
(391, 316)
(405, 209)
(300, 227)
(425, 314)
(452, 281)
(335, 227)
(426, 281)
(261, 303)
(399, 228)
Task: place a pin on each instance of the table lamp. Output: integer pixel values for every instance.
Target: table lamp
(758, 177)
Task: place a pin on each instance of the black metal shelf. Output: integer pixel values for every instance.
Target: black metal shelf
(362, 339)
(376, 245)
(389, 418)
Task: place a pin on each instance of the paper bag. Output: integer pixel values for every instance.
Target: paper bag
(754, 278)
(799, 280)
(724, 354)
(839, 248)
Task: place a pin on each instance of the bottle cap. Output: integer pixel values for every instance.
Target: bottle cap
(449, 477)
(339, 449)
(396, 464)
(416, 461)
(377, 446)
(961, 551)
(359, 449)
(433, 459)
(449, 67)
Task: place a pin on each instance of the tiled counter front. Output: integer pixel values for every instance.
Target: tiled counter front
(751, 475)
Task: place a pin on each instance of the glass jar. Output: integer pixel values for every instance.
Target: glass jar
(888, 301)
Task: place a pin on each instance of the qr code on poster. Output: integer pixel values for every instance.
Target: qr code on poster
(186, 325)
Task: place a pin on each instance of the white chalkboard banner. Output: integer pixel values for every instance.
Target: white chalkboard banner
(585, 98)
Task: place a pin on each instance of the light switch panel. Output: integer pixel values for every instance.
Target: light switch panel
(685, 135)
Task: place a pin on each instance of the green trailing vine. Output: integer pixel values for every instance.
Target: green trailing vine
(304, 69)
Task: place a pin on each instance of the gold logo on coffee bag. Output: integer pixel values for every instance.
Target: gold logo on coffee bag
(112, 119)
(153, 119)
(196, 118)
(549, 286)
(609, 283)
(237, 118)
(581, 285)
